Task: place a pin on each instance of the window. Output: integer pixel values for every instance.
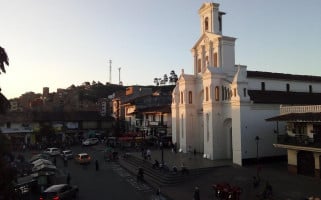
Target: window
(182, 98)
(215, 60)
(262, 86)
(288, 87)
(223, 93)
(206, 24)
(310, 88)
(217, 93)
(199, 66)
(190, 97)
(235, 92)
(206, 94)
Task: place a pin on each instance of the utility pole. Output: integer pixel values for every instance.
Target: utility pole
(110, 71)
(119, 75)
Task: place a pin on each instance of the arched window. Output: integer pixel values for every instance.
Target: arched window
(217, 93)
(235, 92)
(182, 98)
(206, 24)
(206, 94)
(215, 60)
(223, 93)
(190, 97)
(199, 66)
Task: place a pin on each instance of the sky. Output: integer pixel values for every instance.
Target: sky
(57, 43)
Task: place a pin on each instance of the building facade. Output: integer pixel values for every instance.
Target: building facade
(220, 109)
(302, 138)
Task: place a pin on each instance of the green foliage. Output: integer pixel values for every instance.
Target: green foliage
(4, 60)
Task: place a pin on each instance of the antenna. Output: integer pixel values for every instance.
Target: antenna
(109, 71)
(119, 76)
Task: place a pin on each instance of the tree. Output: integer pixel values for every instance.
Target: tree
(173, 77)
(4, 60)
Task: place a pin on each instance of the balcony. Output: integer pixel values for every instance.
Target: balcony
(298, 140)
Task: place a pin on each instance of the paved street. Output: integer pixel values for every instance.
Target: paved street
(110, 182)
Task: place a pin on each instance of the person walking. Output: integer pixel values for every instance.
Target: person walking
(68, 178)
(65, 161)
(97, 165)
(55, 161)
(196, 195)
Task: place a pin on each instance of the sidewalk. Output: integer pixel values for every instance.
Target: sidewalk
(285, 186)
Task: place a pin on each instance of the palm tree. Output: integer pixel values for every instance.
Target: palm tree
(3, 60)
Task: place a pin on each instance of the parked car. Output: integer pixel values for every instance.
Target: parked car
(67, 154)
(52, 151)
(39, 156)
(90, 141)
(83, 158)
(60, 191)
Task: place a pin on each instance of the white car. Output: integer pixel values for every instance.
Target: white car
(67, 154)
(52, 151)
(90, 141)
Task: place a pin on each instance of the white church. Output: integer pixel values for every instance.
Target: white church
(221, 109)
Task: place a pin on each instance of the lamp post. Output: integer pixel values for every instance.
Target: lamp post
(162, 149)
(257, 138)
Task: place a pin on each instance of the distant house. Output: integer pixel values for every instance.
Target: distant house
(145, 109)
(24, 127)
(302, 138)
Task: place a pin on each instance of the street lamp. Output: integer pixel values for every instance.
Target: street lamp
(162, 149)
(257, 138)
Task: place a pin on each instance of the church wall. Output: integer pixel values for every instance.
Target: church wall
(280, 85)
(228, 56)
(175, 127)
(237, 128)
(254, 124)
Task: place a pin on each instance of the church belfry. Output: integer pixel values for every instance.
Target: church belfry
(211, 18)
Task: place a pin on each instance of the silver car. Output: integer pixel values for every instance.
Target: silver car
(67, 154)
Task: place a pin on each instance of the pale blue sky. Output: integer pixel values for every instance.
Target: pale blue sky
(56, 43)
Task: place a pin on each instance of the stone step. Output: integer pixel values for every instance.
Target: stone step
(159, 177)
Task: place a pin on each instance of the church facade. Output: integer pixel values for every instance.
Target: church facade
(221, 109)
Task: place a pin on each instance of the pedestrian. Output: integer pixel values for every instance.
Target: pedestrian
(97, 165)
(196, 195)
(55, 161)
(149, 154)
(158, 193)
(140, 175)
(68, 178)
(65, 162)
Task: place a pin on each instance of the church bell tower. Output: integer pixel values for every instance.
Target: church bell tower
(211, 18)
